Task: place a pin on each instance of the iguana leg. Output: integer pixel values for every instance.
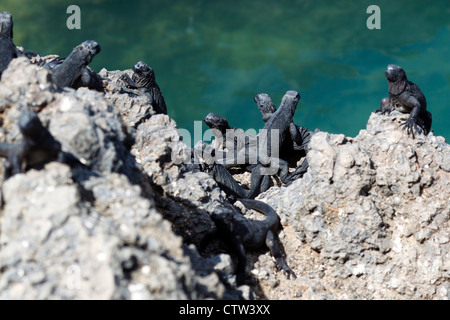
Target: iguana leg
(284, 169)
(411, 124)
(15, 160)
(276, 165)
(265, 184)
(256, 180)
(295, 135)
(427, 120)
(128, 81)
(239, 250)
(85, 77)
(260, 180)
(276, 253)
(385, 106)
(227, 183)
(298, 173)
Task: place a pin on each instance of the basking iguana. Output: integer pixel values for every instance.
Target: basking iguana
(38, 146)
(275, 137)
(264, 157)
(144, 80)
(406, 97)
(241, 234)
(300, 136)
(205, 156)
(230, 142)
(8, 50)
(226, 138)
(73, 71)
(265, 105)
(243, 147)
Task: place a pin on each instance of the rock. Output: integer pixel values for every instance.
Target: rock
(25, 85)
(57, 246)
(134, 108)
(376, 209)
(91, 233)
(92, 130)
(369, 220)
(188, 197)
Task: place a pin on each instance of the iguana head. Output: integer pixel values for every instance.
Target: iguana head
(290, 99)
(395, 73)
(143, 74)
(29, 123)
(265, 103)
(33, 130)
(89, 49)
(396, 78)
(214, 121)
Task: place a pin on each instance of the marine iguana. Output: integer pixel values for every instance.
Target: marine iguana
(241, 234)
(205, 156)
(264, 157)
(406, 97)
(234, 140)
(275, 137)
(8, 50)
(225, 135)
(265, 105)
(37, 147)
(144, 80)
(73, 72)
(230, 142)
(300, 136)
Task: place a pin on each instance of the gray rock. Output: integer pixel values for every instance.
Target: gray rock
(91, 233)
(134, 108)
(25, 85)
(369, 220)
(56, 246)
(376, 209)
(188, 197)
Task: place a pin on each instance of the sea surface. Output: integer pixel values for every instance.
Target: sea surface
(215, 56)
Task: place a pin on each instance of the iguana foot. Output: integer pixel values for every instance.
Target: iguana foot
(410, 126)
(385, 106)
(286, 270)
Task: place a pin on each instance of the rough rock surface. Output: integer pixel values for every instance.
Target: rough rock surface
(372, 214)
(189, 197)
(369, 220)
(134, 108)
(57, 246)
(92, 233)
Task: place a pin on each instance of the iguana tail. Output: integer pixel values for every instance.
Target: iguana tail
(272, 217)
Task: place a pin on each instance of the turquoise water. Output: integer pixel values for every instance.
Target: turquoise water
(215, 56)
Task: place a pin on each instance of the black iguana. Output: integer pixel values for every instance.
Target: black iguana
(73, 71)
(406, 97)
(241, 234)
